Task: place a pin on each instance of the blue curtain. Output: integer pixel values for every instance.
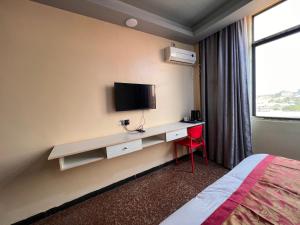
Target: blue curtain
(224, 94)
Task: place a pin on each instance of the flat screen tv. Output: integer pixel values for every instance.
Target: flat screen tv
(134, 96)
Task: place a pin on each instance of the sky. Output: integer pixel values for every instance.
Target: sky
(278, 62)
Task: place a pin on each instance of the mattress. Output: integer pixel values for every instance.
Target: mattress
(206, 202)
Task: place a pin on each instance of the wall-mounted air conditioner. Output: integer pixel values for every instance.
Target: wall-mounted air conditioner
(177, 55)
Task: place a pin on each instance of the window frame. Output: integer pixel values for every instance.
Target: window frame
(265, 40)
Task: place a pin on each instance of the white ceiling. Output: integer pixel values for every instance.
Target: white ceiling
(183, 20)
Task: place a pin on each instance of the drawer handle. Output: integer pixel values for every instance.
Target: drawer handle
(125, 148)
(176, 134)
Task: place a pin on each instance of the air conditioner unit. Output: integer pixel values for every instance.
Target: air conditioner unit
(177, 55)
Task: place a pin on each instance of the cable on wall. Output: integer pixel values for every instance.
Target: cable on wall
(140, 127)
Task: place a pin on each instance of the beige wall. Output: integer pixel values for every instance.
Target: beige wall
(276, 137)
(57, 70)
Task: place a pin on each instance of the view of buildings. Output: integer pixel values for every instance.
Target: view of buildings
(281, 104)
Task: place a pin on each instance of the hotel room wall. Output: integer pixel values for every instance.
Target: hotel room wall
(276, 137)
(57, 73)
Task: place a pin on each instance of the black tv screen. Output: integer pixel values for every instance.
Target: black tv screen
(134, 96)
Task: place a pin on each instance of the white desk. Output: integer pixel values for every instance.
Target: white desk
(78, 153)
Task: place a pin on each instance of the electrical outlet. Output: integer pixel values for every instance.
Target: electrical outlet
(125, 122)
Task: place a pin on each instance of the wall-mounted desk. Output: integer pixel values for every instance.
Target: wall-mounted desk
(79, 153)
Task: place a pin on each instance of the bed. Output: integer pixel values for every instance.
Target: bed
(262, 189)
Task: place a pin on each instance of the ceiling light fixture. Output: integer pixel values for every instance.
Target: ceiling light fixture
(131, 22)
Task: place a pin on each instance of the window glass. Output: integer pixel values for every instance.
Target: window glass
(278, 18)
(278, 78)
(277, 65)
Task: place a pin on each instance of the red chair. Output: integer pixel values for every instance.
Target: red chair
(194, 140)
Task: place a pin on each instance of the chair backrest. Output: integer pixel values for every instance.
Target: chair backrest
(195, 132)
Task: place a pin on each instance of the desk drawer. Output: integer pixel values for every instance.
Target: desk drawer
(124, 148)
(173, 135)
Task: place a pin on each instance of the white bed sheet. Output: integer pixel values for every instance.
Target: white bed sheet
(206, 202)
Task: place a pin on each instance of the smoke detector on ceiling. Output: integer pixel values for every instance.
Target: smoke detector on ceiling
(131, 22)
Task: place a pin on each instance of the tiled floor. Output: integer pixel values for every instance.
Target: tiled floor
(144, 201)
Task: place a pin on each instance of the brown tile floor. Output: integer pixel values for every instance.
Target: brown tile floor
(144, 201)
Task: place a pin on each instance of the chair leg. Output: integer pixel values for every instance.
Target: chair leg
(192, 159)
(175, 151)
(205, 153)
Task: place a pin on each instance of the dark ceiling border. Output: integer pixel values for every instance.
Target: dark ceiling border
(115, 11)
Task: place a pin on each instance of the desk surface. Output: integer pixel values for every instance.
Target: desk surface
(67, 149)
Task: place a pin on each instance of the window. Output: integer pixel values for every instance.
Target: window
(276, 61)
